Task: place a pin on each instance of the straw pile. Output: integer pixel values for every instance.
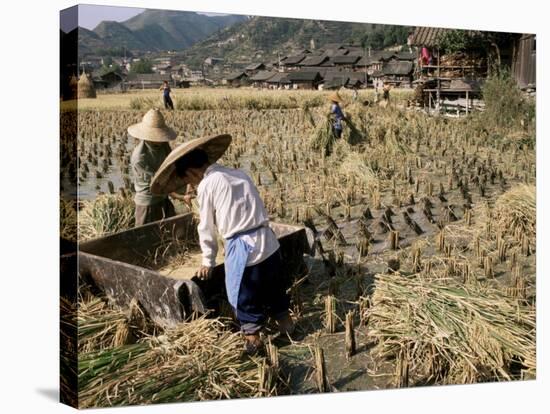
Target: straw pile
(101, 326)
(85, 87)
(355, 165)
(198, 360)
(516, 212)
(323, 138)
(108, 213)
(67, 219)
(450, 334)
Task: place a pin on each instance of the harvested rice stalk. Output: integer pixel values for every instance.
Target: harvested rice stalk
(455, 334)
(320, 370)
(330, 314)
(108, 213)
(356, 166)
(100, 326)
(324, 138)
(350, 335)
(198, 360)
(68, 220)
(402, 369)
(515, 211)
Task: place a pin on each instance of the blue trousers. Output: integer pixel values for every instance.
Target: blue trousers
(168, 104)
(262, 294)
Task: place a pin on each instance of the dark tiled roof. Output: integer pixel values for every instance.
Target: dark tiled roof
(279, 77)
(321, 69)
(304, 76)
(385, 55)
(254, 66)
(262, 76)
(367, 61)
(430, 36)
(334, 74)
(293, 60)
(313, 61)
(345, 60)
(406, 55)
(335, 52)
(397, 68)
(236, 75)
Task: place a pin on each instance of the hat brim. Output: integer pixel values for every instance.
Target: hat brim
(166, 181)
(147, 133)
(334, 98)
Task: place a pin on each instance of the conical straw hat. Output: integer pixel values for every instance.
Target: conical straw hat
(335, 97)
(152, 128)
(166, 181)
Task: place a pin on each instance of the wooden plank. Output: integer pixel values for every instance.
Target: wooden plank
(166, 301)
(137, 245)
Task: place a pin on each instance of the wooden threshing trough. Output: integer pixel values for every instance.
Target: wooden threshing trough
(116, 265)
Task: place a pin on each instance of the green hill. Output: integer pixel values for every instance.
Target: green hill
(263, 38)
(116, 35)
(153, 30)
(181, 29)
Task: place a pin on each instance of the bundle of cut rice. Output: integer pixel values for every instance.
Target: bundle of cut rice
(451, 334)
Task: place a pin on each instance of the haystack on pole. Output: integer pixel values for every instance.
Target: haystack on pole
(73, 85)
(85, 87)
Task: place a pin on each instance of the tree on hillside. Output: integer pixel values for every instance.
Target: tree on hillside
(142, 66)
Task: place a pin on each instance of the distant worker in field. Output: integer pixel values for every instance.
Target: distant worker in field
(153, 148)
(230, 205)
(336, 113)
(165, 88)
(386, 87)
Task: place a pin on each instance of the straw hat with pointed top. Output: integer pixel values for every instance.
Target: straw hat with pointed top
(152, 128)
(166, 181)
(335, 97)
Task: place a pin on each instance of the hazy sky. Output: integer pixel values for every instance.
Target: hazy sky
(90, 16)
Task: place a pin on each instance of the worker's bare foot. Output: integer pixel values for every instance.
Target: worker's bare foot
(286, 324)
(253, 344)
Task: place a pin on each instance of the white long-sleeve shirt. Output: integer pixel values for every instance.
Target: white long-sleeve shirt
(229, 201)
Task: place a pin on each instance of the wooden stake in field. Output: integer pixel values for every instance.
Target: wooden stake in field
(364, 305)
(402, 369)
(320, 370)
(502, 248)
(441, 241)
(393, 239)
(273, 354)
(417, 264)
(350, 335)
(488, 266)
(468, 217)
(330, 314)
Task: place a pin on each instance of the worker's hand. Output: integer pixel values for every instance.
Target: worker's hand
(187, 199)
(204, 273)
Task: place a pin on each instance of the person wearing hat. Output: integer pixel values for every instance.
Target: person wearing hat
(337, 114)
(165, 88)
(153, 148)
(229, 204)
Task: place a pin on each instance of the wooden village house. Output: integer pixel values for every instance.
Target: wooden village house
(147, 80)
(236, 79)
(304, 79)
